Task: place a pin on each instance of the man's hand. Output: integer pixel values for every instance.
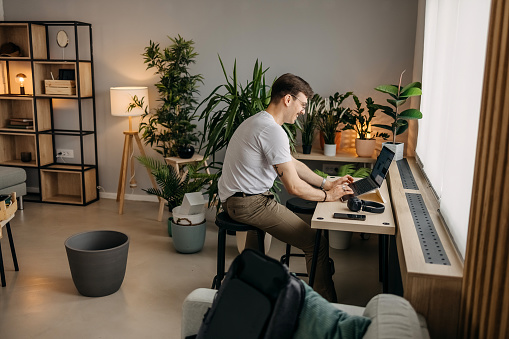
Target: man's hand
(339, 189)
(347, 179)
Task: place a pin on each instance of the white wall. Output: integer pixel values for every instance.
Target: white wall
(339, 45)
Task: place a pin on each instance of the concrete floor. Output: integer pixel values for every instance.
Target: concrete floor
(40, 301)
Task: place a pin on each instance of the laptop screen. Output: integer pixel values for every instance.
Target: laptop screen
(382, 165)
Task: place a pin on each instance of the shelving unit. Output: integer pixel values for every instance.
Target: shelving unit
(53, 113)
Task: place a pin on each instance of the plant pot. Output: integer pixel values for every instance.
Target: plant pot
(170, 220)
(188, 239)
(306, 149)
(340, 240)
(365, 147)
(337, 140)
(398, 149)
(329, 150)
(186, 152)
(97, 260)
(187, 219)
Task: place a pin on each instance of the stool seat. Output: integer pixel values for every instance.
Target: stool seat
(223, 220)
(226, 225)
(298, 205)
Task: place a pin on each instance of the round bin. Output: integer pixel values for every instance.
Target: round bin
(188, 239)
(97, 260)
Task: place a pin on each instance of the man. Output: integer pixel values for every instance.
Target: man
(258, 152)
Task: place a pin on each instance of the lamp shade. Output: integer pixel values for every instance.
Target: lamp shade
(122, 97)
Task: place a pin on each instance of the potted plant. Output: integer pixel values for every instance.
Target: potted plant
(172, 188)
(307, 123)
(170, 130)
(399, 123)
(329, 117)
(360, 122)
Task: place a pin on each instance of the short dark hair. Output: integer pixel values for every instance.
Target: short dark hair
(289, 84)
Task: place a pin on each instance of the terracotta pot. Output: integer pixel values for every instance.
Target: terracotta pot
(337, 140)
(365, 147)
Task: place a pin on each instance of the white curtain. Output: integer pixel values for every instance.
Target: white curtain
(455, 37)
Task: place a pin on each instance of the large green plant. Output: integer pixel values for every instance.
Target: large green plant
(359, 122)
(172, 186)
(399, 97)
(331, 114)
(171, 126)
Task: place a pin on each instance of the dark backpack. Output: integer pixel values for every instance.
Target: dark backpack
(259, 298)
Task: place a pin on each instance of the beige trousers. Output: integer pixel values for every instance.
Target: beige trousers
(265, 213)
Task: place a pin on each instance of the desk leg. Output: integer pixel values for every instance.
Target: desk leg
(315, 257)
(2, 273)
(11, 242)
(383, 261)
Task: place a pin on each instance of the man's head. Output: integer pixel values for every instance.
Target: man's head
(289, 84)
(290, 93)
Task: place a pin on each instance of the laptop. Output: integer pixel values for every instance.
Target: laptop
(377, 176)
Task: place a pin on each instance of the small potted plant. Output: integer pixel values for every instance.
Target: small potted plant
(358, 121)
(331, 114)
(172, 188)
(170, 130)
(308, 123)
(399, 96)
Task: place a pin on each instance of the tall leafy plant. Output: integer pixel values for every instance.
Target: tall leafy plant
(399, 97)
(331, 115)
(171, 126)
(308, 120)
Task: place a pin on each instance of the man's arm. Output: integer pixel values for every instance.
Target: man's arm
(288, 174)
(306, 174)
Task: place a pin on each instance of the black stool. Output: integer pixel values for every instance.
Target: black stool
(301, 206)
(227, 224)
(13, 252)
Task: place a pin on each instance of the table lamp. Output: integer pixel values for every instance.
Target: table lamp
(122, 100)
(20, 77)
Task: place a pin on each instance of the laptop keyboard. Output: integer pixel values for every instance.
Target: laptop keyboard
(361, 186)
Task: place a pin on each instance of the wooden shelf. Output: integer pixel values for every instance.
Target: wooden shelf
(15, 143)
(343, 155)
(65, 186)
(43, 70)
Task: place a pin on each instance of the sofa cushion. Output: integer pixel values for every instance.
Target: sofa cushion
(11, 176)
(321, 319)
(392, 317)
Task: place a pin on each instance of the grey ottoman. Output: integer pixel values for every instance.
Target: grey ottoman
(12, 179)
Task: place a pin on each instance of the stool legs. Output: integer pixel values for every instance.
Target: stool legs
(13, 252)
(221, 248)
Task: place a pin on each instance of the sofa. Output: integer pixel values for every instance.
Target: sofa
(12, 179)
(391, 316)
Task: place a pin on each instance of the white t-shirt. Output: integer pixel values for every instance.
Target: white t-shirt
(257, 144)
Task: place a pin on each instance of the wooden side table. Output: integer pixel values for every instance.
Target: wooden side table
(179, 164)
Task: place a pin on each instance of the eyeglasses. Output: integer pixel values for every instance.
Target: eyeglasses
(303, 104)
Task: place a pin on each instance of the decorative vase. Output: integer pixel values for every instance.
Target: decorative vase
(306, 149)
(186, 152)
(329, 150)
(337, 140)
(365, 147)
(188, 239)
(97, 260)
(340, 240)
(398, 149)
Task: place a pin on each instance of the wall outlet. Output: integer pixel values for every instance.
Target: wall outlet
(330, 168)
(65, 153)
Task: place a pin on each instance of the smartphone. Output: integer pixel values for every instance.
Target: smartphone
(349, 216)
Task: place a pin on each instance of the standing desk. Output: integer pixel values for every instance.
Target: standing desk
(382, 224)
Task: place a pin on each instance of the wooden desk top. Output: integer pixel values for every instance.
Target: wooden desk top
(376, 223)
(343, 155)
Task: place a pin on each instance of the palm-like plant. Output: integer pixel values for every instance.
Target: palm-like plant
(331, 115)
(399, 97)
(172, 186)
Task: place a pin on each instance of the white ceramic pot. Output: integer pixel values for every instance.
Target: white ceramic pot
(187, 219)
(365, 147)
(397, 148)
(340, 240)
(329, 150)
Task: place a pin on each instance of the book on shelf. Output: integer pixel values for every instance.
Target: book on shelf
(21, 120)
(20, 126)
